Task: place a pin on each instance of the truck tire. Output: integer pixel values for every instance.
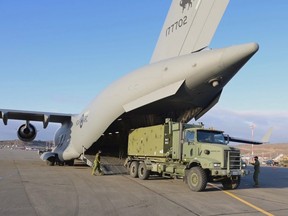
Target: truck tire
(134, 169)
(197, 179)
(231, 184)
(143, 173)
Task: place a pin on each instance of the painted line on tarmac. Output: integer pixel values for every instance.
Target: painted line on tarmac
(243, 201)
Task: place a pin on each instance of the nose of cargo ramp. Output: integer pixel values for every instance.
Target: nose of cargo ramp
(113, 166)
(109, 165)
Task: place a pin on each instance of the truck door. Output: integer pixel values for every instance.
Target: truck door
(188, 145)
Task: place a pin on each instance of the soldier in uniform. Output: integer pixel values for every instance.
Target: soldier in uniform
(256, 171)
(96, 164)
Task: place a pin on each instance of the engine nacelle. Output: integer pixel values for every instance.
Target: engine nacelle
(26, 132)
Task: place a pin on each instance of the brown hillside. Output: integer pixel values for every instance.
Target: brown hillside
(264, 150)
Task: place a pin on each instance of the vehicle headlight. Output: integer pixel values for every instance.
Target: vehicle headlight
(216, 164)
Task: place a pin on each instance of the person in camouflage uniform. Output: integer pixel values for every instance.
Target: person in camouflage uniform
(256, 171)
(96, 164)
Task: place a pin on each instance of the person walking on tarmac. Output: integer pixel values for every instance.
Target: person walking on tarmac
(256, 171)
(96, 164)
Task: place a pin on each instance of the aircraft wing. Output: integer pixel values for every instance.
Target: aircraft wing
(44, 117)
(239, 140)
(265, 139)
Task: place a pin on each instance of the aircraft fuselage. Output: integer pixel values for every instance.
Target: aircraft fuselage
(200, 76)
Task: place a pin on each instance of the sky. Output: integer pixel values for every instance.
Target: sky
(57, 55)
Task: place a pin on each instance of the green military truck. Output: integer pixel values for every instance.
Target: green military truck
(187, 151)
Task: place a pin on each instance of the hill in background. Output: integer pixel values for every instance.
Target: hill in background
(269, 151)
(18, 144)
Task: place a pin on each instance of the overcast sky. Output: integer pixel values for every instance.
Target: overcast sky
(56, 56)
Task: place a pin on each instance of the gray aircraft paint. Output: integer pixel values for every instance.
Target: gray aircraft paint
(171, 74)
(191, 82)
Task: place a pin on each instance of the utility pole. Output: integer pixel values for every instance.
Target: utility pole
(252, 126)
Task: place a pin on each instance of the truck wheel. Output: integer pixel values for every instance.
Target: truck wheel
(134, 169)
(231, 184)
(143, 173)
(197, 179)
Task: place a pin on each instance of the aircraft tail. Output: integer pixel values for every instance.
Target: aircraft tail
(266, 137)
(189, 27)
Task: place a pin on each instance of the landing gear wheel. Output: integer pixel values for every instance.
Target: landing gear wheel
(134, 169)
(197, 179)
(143, 173)
(231, 184)
(61, 163)
(70, 162)
(50, 161)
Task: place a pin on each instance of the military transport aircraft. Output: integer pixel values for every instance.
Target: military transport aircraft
(183, 81)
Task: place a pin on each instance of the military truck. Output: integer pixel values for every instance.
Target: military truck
(187, 151)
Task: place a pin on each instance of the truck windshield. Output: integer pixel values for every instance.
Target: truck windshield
(208, 136)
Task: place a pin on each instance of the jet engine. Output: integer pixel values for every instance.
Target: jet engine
(26, 132)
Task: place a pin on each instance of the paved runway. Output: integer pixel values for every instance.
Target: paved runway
(29, 187)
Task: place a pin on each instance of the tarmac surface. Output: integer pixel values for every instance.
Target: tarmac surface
(29, 187)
